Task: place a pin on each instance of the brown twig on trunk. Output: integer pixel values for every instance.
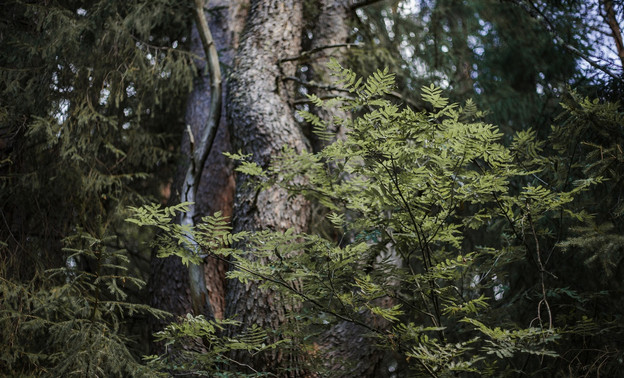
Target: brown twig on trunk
(616, 33)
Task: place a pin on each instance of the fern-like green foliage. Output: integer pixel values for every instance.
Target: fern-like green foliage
(211, 235)
(379, 83)
(433, 216)
(210, 356)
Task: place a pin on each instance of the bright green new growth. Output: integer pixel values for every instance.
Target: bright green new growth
(405, 191)
(211, 352)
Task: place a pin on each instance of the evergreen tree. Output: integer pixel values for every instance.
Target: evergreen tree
(90, 95)
(514, 58)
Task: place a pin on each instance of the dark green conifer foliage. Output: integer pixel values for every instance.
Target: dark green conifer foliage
(588, 141)
(90, 97)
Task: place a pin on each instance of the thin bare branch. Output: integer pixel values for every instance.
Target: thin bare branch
(616, 33)
(363, 3)
(301, 101)
(307, 53)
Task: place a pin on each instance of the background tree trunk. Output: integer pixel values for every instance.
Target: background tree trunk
(262, 124)
(332, 29)
(169, 284)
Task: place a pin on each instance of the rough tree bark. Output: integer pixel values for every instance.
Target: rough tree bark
(262, 123)
(260, 120)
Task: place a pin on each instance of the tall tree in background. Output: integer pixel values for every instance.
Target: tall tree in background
(84, 116)
(260, 94)
(515, 58)
(262, 124)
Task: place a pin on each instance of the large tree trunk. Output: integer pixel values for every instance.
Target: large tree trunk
(331, 30)
(262, 124)
(169, 283)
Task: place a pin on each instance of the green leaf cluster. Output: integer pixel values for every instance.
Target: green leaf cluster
(210, 356)
(432, 215)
